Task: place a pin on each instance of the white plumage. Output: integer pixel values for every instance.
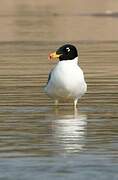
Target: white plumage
(66, 81)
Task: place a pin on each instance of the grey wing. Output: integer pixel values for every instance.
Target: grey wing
(49, 77)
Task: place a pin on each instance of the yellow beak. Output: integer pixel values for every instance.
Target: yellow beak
(54, 55)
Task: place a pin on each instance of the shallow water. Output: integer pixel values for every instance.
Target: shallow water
(38, 140)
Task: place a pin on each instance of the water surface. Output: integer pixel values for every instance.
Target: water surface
(38, 140)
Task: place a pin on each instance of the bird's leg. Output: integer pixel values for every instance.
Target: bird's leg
(75, 104)
(56, 102)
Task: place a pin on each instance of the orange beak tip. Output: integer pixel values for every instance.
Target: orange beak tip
(53, 56)
(49, 57)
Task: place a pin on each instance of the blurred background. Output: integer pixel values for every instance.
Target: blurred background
(36, 139)
(58, 20)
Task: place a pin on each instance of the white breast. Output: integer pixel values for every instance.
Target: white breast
(67, 80)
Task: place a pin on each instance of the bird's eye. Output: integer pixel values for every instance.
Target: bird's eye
(68, 49)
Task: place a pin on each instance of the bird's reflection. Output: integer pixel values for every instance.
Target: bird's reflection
(69, 132)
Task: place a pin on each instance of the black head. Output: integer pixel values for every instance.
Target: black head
(67, 52)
